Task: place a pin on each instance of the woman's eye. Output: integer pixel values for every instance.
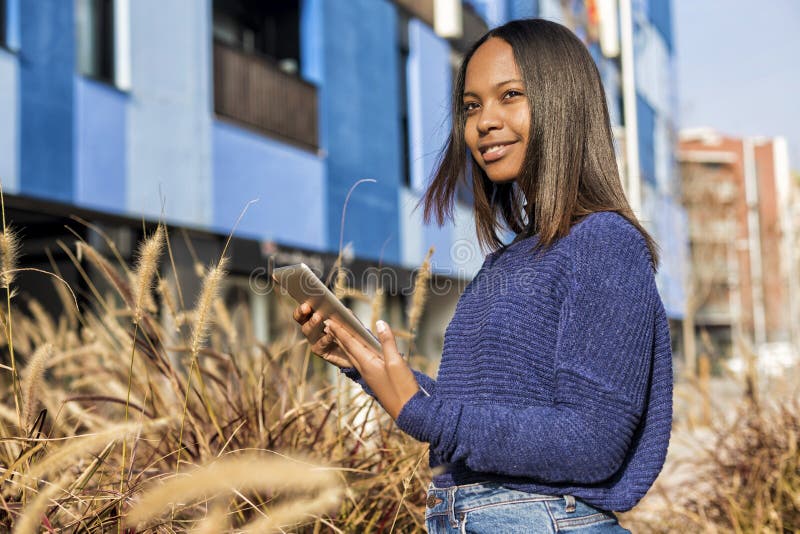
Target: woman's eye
(512, 93)
(470, 106)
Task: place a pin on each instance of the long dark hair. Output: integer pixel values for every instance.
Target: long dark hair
(569, 169)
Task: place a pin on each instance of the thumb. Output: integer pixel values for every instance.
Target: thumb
(386, 337)
(402, 378)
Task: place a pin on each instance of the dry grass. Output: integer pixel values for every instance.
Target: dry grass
(133, 395)
(739, 474)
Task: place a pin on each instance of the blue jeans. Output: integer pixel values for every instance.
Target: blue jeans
(490, 507)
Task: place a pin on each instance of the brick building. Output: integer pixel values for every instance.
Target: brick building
(739, 195)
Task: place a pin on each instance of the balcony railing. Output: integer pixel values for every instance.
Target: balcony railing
(253, 91)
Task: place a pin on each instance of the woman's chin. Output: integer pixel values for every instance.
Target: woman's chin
(501, 178)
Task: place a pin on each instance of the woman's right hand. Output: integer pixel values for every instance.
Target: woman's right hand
(322, 344)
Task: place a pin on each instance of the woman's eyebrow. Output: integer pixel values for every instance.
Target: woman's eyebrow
(470, 93)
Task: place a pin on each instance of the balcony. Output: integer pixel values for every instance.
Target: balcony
(253, 91)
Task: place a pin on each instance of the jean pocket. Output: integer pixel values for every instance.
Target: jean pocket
(509, 516)
(578, 515)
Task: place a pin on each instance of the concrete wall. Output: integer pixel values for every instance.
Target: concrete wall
(169, 115)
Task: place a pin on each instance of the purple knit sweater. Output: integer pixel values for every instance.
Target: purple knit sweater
(556, 373)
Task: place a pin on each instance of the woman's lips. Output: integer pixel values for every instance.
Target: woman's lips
(496, 152)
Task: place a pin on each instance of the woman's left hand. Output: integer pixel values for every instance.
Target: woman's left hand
(388, 375)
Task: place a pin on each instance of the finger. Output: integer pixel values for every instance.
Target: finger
(351, 344)
(397, 368)
(329, 350)
(312, 328)
(302, 312)
(354, 361)
(324, 344)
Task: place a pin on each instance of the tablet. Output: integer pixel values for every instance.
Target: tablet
(304, 286)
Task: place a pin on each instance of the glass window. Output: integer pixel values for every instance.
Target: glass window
(269, 29)
(95, 46)
(3, 19)
(402, 64)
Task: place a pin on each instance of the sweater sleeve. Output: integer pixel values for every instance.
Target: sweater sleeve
(603, 358)
(427, 384)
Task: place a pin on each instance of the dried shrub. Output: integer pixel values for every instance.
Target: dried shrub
(134, 391)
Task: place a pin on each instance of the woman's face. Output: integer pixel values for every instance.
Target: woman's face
(497, 112)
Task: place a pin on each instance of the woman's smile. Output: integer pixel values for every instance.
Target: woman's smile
(493, 152)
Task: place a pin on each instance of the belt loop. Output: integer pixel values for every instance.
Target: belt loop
(570, 500)
(451, 506)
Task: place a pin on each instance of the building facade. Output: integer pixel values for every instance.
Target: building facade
(739, 196)
(190, 111)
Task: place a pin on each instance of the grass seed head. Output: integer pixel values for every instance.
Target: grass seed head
(9, 256)
(420, 292)
(32, 381)
(146, 271)
(205, 301)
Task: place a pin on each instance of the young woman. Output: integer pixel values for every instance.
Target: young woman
(553, 403)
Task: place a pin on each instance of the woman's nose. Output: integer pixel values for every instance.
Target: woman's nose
(489, 120)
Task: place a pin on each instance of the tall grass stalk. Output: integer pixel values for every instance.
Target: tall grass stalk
(208, 294)
(149, 253)
(421, 287)
(9, 255)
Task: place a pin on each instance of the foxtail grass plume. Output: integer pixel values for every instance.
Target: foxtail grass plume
(242, 472)
(420, 292)
(294, 511)
(32, 381)
(147, 267)
(89, 443)
(30, 521)
(9, 257)
(215, 522)
(205, 301)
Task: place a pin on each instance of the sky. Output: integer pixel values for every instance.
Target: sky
(738, 67)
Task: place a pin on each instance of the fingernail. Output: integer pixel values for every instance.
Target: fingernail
(381, 326)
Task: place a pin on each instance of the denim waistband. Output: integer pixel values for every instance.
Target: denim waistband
(448, 508)
(479, 494)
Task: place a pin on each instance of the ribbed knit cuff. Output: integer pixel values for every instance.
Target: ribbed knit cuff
(351, 373)
(414, 417)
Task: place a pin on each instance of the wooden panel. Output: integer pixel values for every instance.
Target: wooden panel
(252, 90)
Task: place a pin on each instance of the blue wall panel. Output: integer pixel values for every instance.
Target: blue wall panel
(12, 24)
(312, 56)
(660, 13)
(360, 102)
(46, 77)
(289, 184)
(100, 154)
(646, 125)
(9, 124)
(522, 9)
(429, 87)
